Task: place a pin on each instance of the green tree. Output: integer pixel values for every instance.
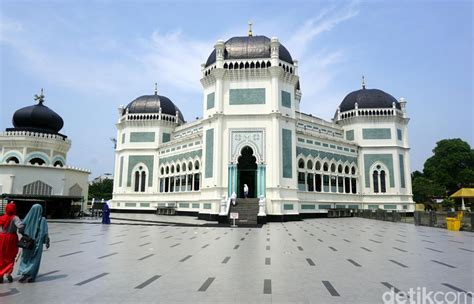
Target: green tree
(101, 190)
(424, 189)
(451, 166)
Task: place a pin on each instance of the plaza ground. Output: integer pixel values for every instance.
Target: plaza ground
(342, 260)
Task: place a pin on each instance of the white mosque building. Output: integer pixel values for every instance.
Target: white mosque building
(252, 132)
(33, 164)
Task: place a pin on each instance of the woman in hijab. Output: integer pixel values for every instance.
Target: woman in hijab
(105, 214)
(36, 227)
(9, 224)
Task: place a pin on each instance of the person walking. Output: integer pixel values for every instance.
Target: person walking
(246, 191)
(36, 227)
(9, 225)
(105, 214)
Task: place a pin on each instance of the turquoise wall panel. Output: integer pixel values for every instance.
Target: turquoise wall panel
(207, 206)
(166, 137)
(121, 171)
(286, 153)
(373, 206)
(210, 100)
(287, 206)
(286, 99)
(308, 207)
(246, 96)
(376, 133)
(386, 159)
(195, 205)
(325, 207)
(390, 207)
(402, 170)
(350, 135)
(399, 134)
(147, 160)
(209, 153)
(142, 136)
(183, 205)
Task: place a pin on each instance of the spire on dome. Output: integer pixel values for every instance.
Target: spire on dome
(40, 97)
(250, 29)
(363, 82)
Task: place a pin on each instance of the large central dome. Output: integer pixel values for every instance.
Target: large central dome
(249, 47)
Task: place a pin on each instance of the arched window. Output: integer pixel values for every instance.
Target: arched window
(310, 165)
(196, 165)
(383, 188)
(317, 166)
(184, 167)
(167, 170)
(162, 171)
(37, 161)
(353, 170)
(339, 169)
(177, 168)
(190, 166)
(346, 169)
(172, 169)
(379, 179)
(58, 163)
(12, 160)
(325, 167)
(137, 180)
(375, 179)
(333, 168)
(142, 182)
(301, 164)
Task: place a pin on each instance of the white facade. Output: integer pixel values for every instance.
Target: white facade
(254, 103)
(34, 164)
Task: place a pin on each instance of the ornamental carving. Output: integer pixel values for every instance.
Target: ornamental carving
(254, 138)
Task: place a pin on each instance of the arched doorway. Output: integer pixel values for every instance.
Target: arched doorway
(247, 172)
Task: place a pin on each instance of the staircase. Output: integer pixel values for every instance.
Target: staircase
(247, 210)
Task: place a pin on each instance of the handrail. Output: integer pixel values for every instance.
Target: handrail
(229, 200)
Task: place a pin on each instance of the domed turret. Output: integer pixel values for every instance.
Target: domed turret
(153, 104)
(37, 118)
(249, 47)
(368, 99)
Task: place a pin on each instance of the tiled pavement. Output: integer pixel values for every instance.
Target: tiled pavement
(347, 260)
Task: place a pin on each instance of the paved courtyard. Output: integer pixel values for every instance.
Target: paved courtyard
(346, 260)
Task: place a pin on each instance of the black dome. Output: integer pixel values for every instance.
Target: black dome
(152, 104)
(37, 118)
(368, 98)
(249, 47)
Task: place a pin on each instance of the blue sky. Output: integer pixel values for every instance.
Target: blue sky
(92, 56)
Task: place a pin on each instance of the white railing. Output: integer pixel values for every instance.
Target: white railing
(35, 134)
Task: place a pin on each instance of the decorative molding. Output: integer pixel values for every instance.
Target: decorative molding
(254, 138)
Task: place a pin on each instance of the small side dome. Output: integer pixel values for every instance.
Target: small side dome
(153, 104)
(368, 99)
(37, 118)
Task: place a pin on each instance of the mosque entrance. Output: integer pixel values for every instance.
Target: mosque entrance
(247, 173)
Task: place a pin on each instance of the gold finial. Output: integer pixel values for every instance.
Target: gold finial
(156, 88)
(40, 97)
(363, 82)
(250, 29)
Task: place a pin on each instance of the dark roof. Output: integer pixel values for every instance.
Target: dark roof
(37, 118)
(152, 104)
(368, 98)
(249, 47)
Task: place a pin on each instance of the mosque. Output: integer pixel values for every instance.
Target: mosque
(33, 167)
(253, 132)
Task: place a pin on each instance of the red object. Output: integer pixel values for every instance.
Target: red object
(5, 219)
(8, 241)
